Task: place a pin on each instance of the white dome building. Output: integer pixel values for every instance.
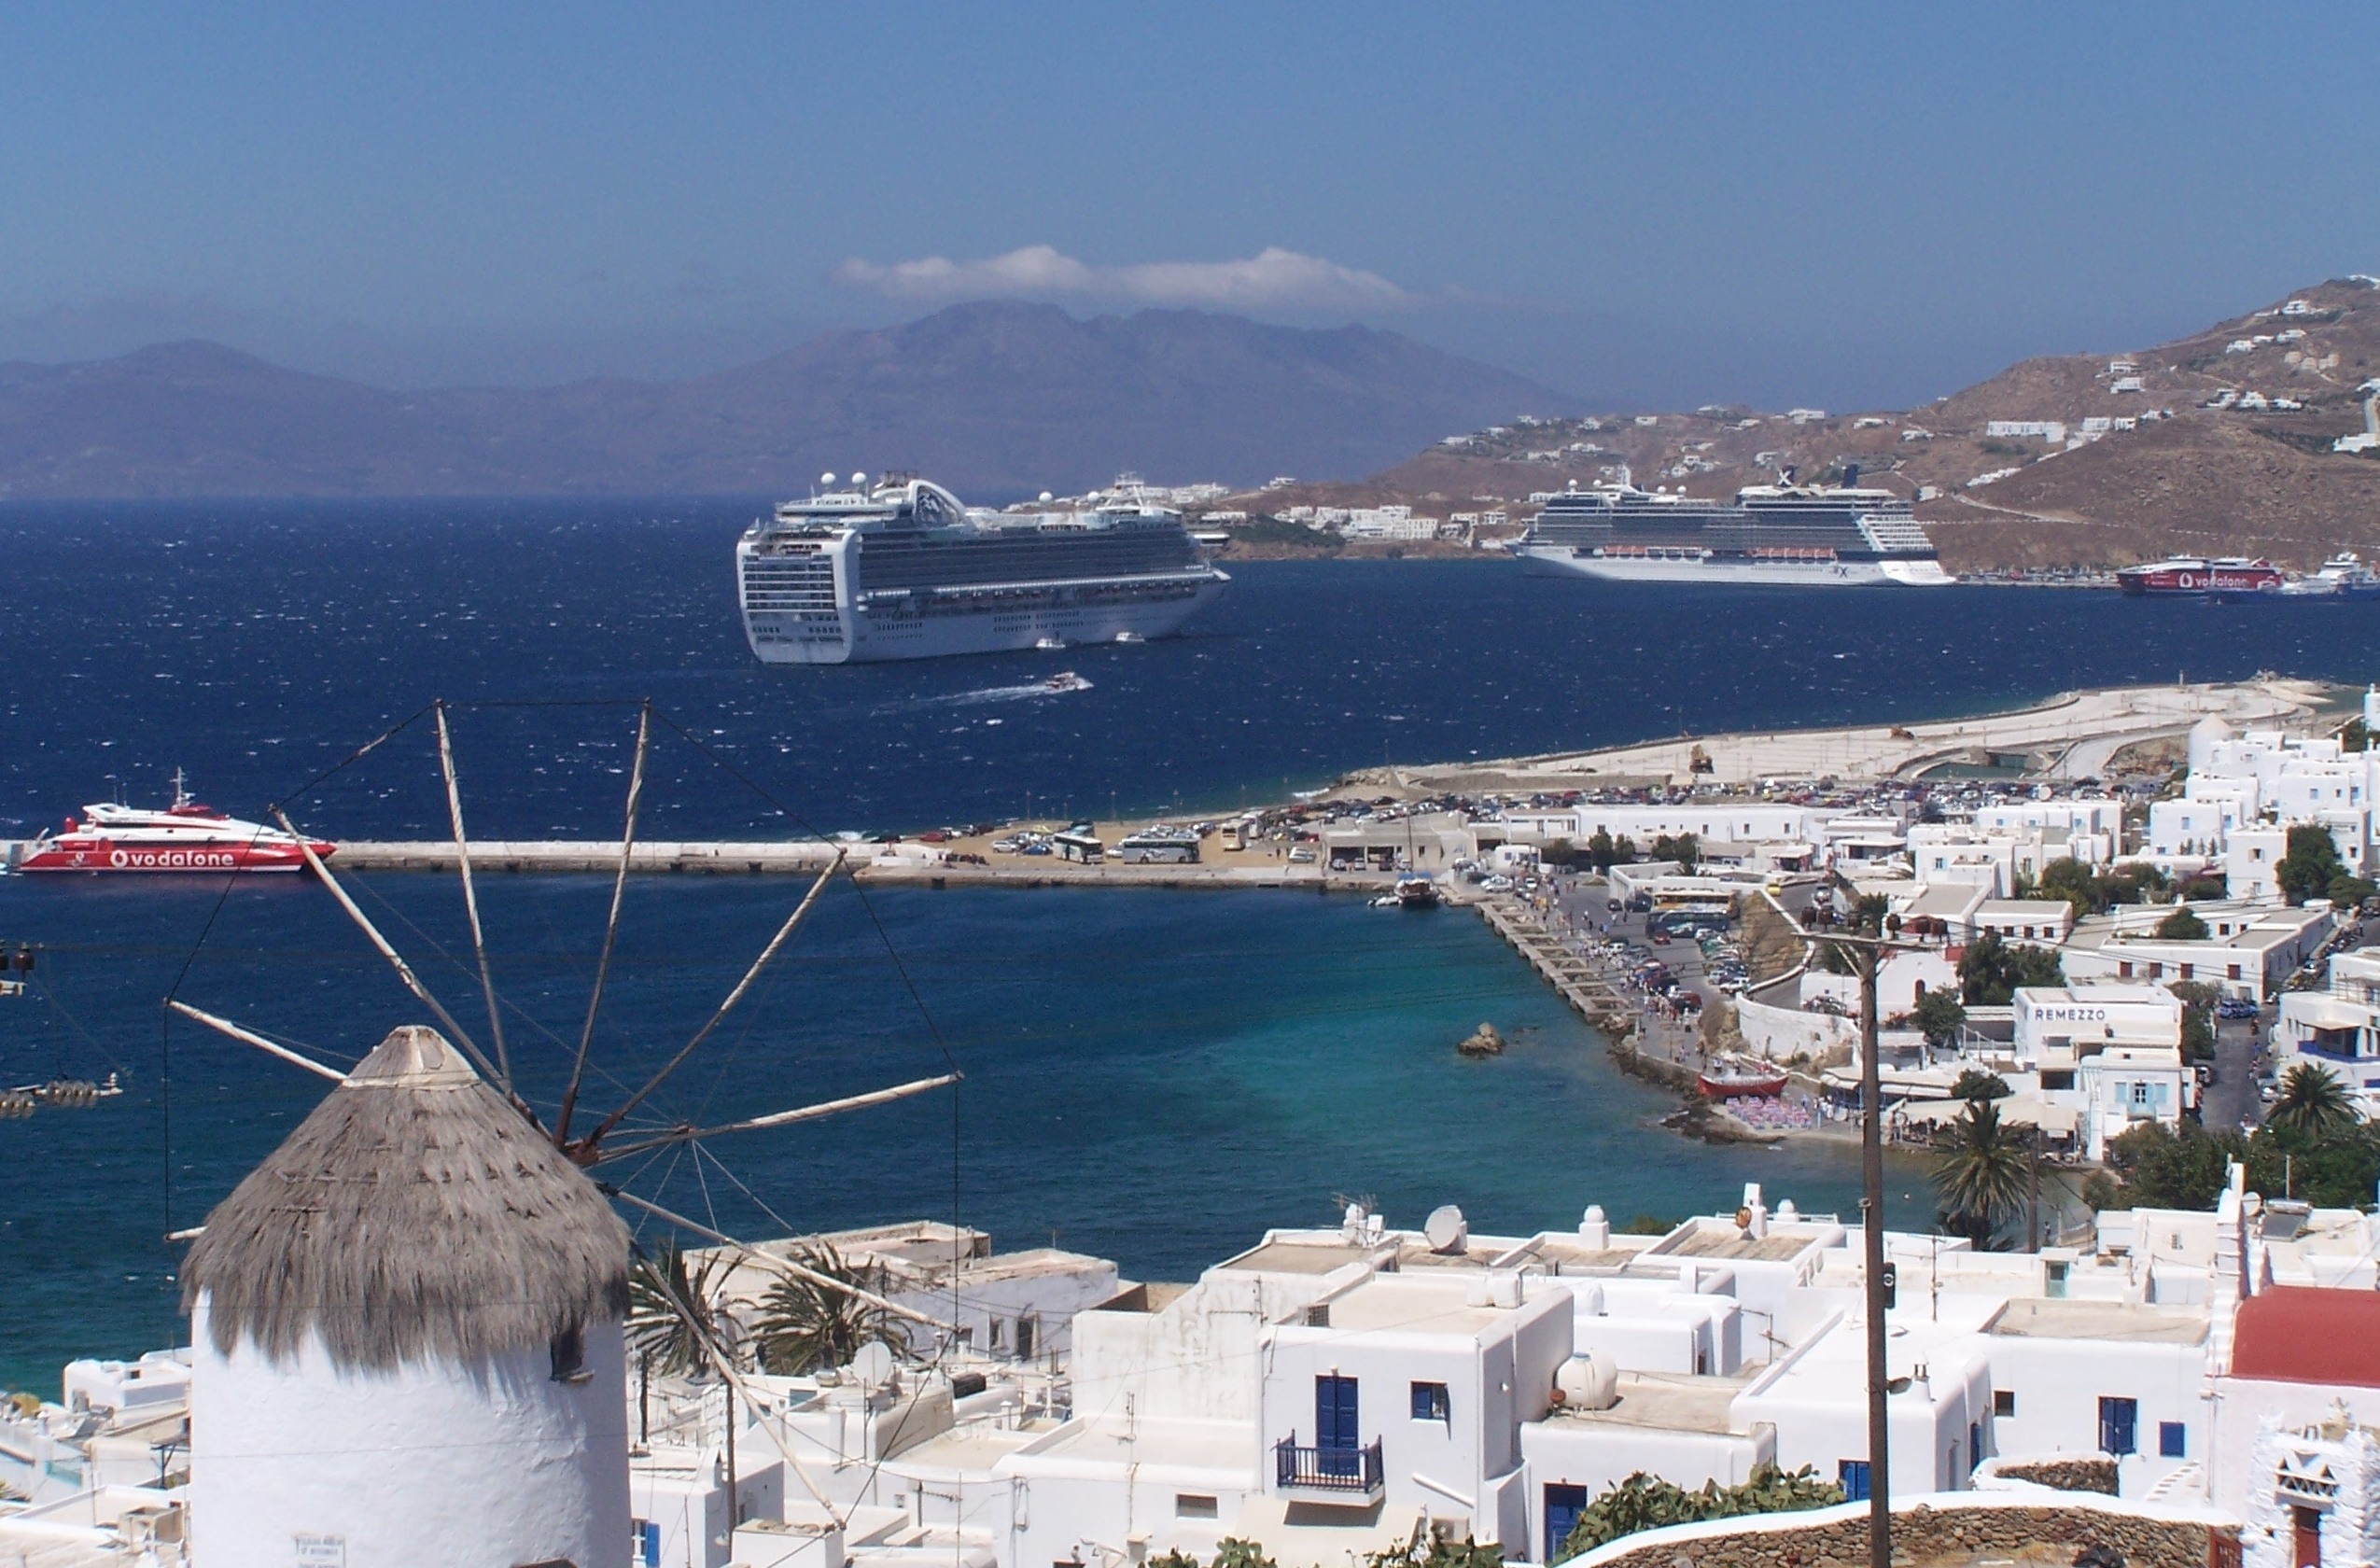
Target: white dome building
(407, 1334)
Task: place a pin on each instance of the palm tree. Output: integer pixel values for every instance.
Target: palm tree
(1978, 1172)
(2311, 1101)
(805, 1325)
(666, 1299)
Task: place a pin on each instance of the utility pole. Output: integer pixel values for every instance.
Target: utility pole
(2032, 1194)
(1865, 953)
(1871, 1208)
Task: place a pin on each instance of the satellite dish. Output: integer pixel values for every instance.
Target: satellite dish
(827, 480)
(873, 1365)
(1047, 497)
(859, 480)
(1445, 1229)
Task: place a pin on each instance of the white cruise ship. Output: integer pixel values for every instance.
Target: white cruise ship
(1780, 534)
(899, 569)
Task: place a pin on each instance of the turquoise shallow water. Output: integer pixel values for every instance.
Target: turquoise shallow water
(1154, 1076)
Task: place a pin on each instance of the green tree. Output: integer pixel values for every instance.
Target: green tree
(1978, 1172)
(2182, 925)
(1681, 848)
(2198, 1000)
(805, 1325)
(672, 1323)
(1991, 969)
(1600, 852)
(2205, 885)
(1643, 1502)
(2311, 1103)
(2073, 881)
(1624, 851)
(1976, 1083)
(2157, 1167)
(1940, 1015)
(1558, 852)
(2310, 866)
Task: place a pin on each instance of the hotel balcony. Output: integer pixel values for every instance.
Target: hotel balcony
(1332, 1474)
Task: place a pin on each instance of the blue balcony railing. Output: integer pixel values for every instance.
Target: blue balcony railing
(1348, 1470)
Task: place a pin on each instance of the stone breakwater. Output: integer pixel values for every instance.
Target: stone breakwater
(2048, 1532)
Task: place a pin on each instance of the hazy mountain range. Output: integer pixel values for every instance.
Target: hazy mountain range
(996, 399)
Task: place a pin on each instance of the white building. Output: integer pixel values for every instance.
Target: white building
(2337, 1030)
(2250, 949)
(2111, 1053)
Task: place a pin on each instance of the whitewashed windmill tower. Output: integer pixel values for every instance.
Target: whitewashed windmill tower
(408, 1323)
(407, 1326)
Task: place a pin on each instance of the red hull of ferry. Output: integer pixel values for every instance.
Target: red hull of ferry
(2201, 578)
(97, 853)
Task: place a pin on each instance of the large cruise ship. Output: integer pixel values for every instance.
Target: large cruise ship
(899, 569)
(1784, 534)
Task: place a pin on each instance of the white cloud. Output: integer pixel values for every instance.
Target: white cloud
(1272, 279)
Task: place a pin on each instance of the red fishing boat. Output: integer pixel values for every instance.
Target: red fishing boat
(185, 836)
(2198, 576)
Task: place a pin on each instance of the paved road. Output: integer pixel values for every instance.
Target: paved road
(2230, 1101)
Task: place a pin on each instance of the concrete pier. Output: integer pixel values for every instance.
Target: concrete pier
(588, 855)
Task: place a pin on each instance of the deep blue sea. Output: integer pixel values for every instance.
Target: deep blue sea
(1152, 1076)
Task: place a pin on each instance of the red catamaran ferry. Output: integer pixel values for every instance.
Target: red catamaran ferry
(185, 836)
(2196, 575)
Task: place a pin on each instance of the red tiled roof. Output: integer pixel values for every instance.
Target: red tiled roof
(2296, 1334)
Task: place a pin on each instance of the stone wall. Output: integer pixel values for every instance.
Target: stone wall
(2065, 1474)
(1922, 1535)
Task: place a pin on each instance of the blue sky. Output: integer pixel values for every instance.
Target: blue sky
(1842, 205)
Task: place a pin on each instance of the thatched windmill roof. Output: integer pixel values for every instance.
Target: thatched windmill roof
(414, 1215)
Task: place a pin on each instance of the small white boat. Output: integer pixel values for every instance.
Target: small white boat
(1129, 636)
(1049, 644)
(1066, 681)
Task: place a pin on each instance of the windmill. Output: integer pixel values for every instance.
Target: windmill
(579, 1138)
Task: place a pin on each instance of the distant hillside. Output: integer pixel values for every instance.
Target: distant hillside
(989, 397)
(2239, 479)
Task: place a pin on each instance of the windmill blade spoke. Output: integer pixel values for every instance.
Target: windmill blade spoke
(770, 1260)
(782, 1118)
(455, 1032)
(734, 996)
(247, 1037)
(611, 925)
(471, 897)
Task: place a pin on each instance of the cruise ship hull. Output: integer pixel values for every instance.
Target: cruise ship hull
(1556, 561)
(1070, 613)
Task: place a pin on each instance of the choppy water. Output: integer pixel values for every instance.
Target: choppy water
(1154, 1076)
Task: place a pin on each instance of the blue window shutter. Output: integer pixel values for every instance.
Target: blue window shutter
(2172, 1440)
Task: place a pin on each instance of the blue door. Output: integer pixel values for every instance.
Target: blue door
(1335, 1424)
(1564, 1503)
(1853, 1475)
(2118, 1420)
